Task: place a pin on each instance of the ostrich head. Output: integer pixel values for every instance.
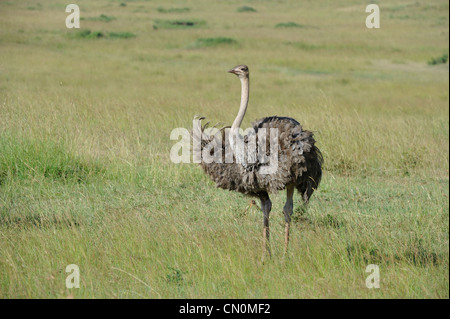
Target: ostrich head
(241, 71)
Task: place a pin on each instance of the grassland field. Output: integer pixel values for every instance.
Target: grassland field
(85, 174)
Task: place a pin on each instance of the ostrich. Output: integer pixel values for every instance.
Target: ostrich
(299, 160)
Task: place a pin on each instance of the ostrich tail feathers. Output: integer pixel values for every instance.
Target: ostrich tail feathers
(198, 117)
(204, 135)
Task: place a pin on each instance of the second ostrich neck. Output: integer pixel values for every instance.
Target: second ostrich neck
(237, 144)
(244, 103)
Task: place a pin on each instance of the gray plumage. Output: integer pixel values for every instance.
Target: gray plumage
(299, 160)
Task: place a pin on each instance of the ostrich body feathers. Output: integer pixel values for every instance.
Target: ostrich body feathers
(299, 161)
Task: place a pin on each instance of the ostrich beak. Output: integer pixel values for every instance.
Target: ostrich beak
(232, 71)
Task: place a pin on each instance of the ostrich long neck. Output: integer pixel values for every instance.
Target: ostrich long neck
(243, 106)
(237, 144)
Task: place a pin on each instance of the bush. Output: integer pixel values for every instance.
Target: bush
(88, 34)
(178, 24)
(440, 60)
(289, 25)
(246, 9)
(121, 35)
(173, 10)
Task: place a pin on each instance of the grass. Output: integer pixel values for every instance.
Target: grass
(102, 17)
(173, 10)
(289, 25)
(121, 35)
(85, 175)
(246, 9)
(29, 159)
(306, 46)
(439, 60)
(178, 24)
(213, 42)
(88, 34)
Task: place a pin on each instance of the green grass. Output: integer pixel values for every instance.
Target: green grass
(289, 25)
(306, 46)
(121, 35)
(85, 175)
(178, 24)
(442, 59)
(30, 159)
(173, 10)
(213, 42)
(88, 34)
(246, 9)
(102, 17)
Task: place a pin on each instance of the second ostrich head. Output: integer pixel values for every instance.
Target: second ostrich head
(241, 71)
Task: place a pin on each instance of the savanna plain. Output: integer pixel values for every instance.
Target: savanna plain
(85, 173)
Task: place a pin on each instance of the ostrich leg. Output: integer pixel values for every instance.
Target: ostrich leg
(266, 206)
(288, 209)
